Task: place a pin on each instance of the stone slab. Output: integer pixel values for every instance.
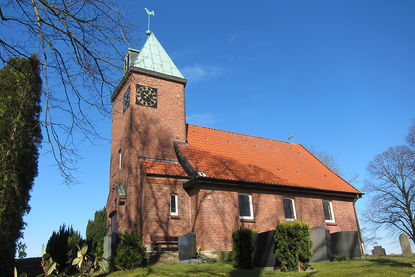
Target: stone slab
(378, 251)
(405, 245)
(264, 250)
(346, 244)
(321, 248)
(187, 246)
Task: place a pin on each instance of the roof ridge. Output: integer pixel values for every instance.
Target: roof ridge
(244, 134)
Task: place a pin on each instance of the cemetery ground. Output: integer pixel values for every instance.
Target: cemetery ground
(370, 266)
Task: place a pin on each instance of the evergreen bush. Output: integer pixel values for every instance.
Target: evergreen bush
(243, 247)
(130, 253)
(292, 245)
(60, 244)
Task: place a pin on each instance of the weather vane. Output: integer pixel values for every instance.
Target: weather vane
(148, 32)
(291, 138)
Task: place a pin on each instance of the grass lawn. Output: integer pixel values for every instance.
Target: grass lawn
(373, 266)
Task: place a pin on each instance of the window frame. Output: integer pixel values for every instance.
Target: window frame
(333, 220)
(250, 207)
(293, 208)
(176, 205)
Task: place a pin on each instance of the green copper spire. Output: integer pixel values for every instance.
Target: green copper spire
(153, 57)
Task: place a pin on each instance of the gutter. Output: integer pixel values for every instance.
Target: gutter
(266, 186)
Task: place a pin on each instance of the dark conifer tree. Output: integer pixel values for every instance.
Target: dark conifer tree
(97, 229)
(20, 137)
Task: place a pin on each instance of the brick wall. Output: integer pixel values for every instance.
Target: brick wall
(218, 214)
(142, 131)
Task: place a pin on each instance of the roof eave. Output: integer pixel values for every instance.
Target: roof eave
(267, 186)
(168, 176)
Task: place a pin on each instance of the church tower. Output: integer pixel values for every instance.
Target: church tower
(148, 116)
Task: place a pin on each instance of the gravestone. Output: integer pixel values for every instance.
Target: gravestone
(321, 244)
(346, 244)
(378, 251)
(187, 246)
(405, 244)
(109, 243)
(264, 256)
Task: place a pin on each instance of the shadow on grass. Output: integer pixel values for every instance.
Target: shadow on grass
(390, 262)
(244, 272)
(311, 273)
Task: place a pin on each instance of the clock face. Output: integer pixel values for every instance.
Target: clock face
(146, 96)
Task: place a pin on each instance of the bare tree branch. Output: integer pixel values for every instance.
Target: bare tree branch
(81, 44)
(392, 190)
(327, 159)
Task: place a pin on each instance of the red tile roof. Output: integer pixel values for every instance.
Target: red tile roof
(163, 168)
(226, 155)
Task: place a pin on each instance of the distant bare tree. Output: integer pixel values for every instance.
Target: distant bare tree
(80, 42)
(369, 237)
(411, 136)
(392, 190)
(327, 159)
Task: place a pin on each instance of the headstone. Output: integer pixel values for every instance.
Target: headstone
(378, 251)
(346, 244)
(187, 246)
(264, 256)
(321, 248)
(109, 243)
(405, 244)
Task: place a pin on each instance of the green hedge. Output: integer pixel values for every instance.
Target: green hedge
(243, 247)
(293, 245)
(130, 253)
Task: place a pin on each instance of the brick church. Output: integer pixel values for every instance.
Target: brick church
(169, 178)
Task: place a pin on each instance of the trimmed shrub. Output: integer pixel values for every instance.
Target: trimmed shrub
(293, 245)
(130, 253)
(243, 247)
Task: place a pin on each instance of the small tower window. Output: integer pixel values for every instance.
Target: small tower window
(119, 160)
(126, 100)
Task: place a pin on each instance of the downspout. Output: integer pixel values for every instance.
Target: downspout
(362, 247)
(190, 214)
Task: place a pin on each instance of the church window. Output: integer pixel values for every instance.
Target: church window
(328, 211)
(245, 206)
(126, 100)
(289, 209)
(173, 205)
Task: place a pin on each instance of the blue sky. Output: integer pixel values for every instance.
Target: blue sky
(337, 75)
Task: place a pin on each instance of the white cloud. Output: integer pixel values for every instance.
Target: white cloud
(203, 119)
(199, 72)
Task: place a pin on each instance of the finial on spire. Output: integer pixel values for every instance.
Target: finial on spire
(148, 32)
